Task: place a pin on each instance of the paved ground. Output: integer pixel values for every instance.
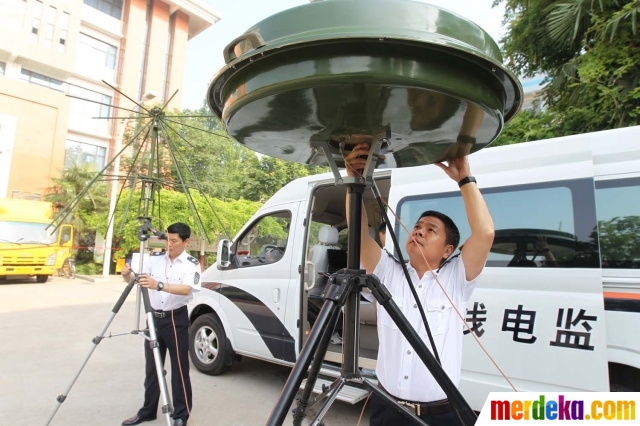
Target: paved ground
(46, 332)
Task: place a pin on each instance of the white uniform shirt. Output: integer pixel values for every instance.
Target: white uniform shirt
(185, 269)
(399, 368)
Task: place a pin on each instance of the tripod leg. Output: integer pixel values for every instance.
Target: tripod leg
(310, 348)
(392, 402)
(96, 341)
(300, 412)
(153, 343)
(332, 397)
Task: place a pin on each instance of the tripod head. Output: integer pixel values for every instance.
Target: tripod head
(145, 230)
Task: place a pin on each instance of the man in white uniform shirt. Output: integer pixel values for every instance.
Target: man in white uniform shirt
(434, 237)
(171, 278)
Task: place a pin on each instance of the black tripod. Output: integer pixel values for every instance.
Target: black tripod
(143, 235)
(343, 289)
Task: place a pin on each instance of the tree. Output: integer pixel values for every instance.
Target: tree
(66, 189)
(84, 216)
(528, 126)
(204, 157)
(590, 52)
(270, 174)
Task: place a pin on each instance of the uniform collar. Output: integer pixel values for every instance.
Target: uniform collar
(182, 257)
(410, 268)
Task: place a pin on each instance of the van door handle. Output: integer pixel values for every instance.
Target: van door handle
(276, 295)
(312, 276)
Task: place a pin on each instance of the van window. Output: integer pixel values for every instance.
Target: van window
(265, 242)
(618, 207)
(537, 225)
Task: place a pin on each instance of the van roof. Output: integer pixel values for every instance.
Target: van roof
(298, 189)
(569, 157)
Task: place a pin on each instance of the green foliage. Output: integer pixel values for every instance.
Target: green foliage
(67, 189)
(270, 174)
(590, 52)
(88, 269)
(75, 187)
(528, 126)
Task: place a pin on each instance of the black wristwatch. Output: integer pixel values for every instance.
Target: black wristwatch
(160, 286)
(466, 180)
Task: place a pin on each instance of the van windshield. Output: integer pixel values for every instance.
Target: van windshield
(25, 233)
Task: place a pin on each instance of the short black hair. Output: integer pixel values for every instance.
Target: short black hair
(382, 228)
(450, 228)
(182, 229)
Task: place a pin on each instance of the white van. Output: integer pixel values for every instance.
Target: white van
(562, 319)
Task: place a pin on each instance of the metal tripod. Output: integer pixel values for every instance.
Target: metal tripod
(343, 289)
(143, 235)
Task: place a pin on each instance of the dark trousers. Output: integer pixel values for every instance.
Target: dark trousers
(167, 340)
(383, 414)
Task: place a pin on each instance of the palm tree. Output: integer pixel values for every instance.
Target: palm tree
(66, 188)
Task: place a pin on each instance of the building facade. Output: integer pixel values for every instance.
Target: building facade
(55, 57)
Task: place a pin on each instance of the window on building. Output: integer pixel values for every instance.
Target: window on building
(2, 66)
(79, 153)
(87, 104)
(64, 28)
(35, 23)
(559, 216)
(98, 52)
(619, 222)
(26, 195)
(110, 7)
(51, 22)
(42, 80)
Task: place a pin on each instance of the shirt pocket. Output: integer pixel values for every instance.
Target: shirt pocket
(438, 313)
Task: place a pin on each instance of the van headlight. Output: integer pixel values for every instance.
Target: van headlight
(52, 259)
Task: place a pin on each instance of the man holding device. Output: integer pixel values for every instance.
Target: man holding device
(171, 278)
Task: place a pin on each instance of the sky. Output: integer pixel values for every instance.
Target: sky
(204, 52)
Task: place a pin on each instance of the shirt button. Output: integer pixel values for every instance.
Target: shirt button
(406, 377)
(415, 305)
(442, 306)
(408, 352)
(420, 286)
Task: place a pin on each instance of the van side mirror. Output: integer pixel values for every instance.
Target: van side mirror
(223, 259)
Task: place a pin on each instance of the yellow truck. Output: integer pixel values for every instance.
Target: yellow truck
(27, 248)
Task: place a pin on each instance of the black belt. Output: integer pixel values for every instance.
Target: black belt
(162, 314)
(423, 408)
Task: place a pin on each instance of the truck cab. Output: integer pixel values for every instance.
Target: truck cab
(28, 245)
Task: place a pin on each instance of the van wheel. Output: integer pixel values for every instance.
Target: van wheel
(208, 345)
(42, 278)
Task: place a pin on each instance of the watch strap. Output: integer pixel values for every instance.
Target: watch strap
(466, 181)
